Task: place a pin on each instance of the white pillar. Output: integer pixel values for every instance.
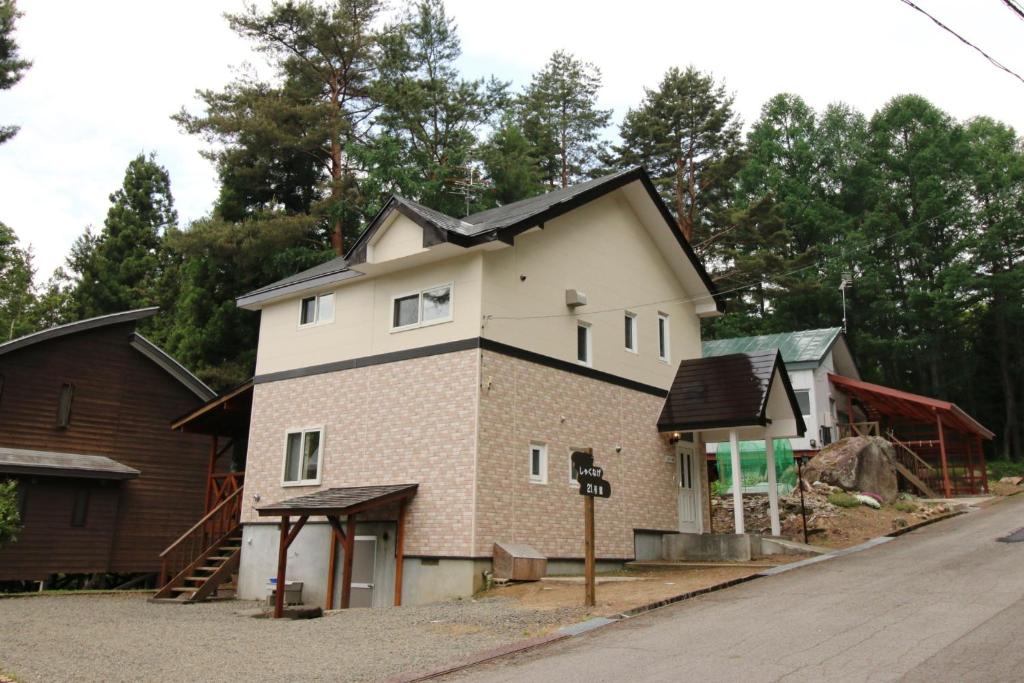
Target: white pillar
(773, 489)
(737, 481)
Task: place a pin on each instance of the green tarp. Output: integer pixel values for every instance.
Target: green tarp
(754, 467)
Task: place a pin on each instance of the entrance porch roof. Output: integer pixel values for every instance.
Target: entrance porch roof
(340, 501)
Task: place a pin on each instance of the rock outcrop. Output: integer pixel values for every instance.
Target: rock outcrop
(860, 463)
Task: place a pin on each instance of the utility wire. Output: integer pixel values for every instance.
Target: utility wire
(963, 40)
(1015, 8)
(876, 244)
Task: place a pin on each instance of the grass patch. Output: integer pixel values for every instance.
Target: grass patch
(843, 499)
(997, 469)
(904, 506)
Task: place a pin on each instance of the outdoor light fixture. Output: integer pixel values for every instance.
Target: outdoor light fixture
(675, 438)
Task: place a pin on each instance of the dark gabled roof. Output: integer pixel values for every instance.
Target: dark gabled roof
(805, 346)
(137, 341)
(725, 391)
(501, 223)
(340, 501)
(51, 463)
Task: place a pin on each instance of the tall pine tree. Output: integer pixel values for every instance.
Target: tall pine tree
(12, 65)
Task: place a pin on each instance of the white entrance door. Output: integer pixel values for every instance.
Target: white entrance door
(689, 487)
(364, 563)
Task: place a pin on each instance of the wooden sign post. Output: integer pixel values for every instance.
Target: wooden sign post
(592, 485)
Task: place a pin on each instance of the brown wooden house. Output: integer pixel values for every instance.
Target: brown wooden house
(104, 483)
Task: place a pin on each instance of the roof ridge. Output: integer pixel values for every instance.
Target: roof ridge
(78, 326)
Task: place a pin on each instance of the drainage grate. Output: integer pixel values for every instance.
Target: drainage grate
(1015, 537)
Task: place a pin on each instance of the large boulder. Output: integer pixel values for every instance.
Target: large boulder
(860, 463)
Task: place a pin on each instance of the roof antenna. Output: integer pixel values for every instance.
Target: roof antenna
(846, 282)
(469, 188)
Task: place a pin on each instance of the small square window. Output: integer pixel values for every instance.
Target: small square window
(538, 463)
(630, 322)
(573, 470)
(803, 399)
(308, 315)
(426, 307)
(302, 456)
(583, 343)
(80, 508)
(406, 311)
(437, 303)
(317, 309)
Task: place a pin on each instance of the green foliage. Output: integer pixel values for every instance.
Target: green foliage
(843, 499)
(508, 158)
(17, 297)
(997, 469)
(687, 136)
(904, 506)
(119, 268)
(12, 66)
(10, 518)
(559, 115)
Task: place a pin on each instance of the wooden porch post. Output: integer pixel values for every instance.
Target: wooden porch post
(773, 489)
(209, 473)
(346, 576)
(282, 565)
(400, 552)
(737, 481)
(331, 560)
(942, 452)
(971, 478)
(984, 465)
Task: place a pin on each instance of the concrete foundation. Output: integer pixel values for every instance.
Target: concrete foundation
(710, 547)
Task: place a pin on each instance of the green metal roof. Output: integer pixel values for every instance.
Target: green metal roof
(806, 346)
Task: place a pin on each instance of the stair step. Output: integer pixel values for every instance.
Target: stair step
(219, 557)
(200, 579)
(184, 589)
(209, 569)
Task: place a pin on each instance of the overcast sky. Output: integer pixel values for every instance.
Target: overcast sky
(107, 75)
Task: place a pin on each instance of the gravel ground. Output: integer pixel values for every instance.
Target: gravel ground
(125, 638)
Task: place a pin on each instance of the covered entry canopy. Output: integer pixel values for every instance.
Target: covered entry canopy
(336, 503)
(936, 440)
(741, 396)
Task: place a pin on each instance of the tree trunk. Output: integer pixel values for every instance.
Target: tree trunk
(337, 236)
(684, 225)
(1011, 445)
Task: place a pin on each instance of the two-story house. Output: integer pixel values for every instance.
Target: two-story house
(453, 365)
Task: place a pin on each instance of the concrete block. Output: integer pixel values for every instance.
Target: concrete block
(710, 547)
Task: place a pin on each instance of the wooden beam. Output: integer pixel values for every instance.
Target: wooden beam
(399, 552)
(339, 533)
(331, 560)
(282, 565)
(209, 473)
(948, 491)
(296, 529)
(346, 574)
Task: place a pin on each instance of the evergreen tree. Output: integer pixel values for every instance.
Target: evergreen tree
(686, 134)
(119, 268)
(17, 298)
(12, 66)
(560, 116)
(510, 164)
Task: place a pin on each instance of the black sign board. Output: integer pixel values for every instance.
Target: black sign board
(590, 476)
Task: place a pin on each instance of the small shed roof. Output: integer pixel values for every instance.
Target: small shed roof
(915, 407)
(804, 346)
(51, 463)
(340, 501)
(226, 415)
(726, 391)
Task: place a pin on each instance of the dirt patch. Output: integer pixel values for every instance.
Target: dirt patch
(651, 585)
(1000, 488)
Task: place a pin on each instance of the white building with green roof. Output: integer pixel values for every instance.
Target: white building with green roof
(809, 356)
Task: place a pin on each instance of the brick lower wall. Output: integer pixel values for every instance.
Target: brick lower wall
(412, 421)
(523, 402)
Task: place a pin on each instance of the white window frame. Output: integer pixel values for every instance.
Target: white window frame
(572, 480)
(542, 477)
(589, 362)
(419, 308)
(634, 330)
(316, 310)
(319, 465)
(810, 404)
(664, 355)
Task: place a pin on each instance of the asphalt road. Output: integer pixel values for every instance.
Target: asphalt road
(943, 603)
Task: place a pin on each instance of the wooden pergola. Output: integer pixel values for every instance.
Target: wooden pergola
(925, 431)
(334, 504)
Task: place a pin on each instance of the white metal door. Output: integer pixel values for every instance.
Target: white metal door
(364, 563)
(689, 487)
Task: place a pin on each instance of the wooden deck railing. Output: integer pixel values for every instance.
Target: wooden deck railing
(218, 522)
(846, 430)
(222, 485)
(913, 462)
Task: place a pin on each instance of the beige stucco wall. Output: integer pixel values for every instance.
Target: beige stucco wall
(411, 421)
(523, 402)
(399, 238)
(602, 249)
(362, 317)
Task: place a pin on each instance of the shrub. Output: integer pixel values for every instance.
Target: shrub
(904, 506)
(997, 469)
(10, 519)
(843, 499)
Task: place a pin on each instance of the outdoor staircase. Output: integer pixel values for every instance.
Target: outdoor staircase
(202, 561)
(915, 470)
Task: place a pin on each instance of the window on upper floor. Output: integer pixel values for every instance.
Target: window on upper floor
(583, 343)
(303, 451)
(426, 307)
(631, 331)
(67, 395)
(315, 310)
(663, 340)
(803, 399)
(538, 463)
